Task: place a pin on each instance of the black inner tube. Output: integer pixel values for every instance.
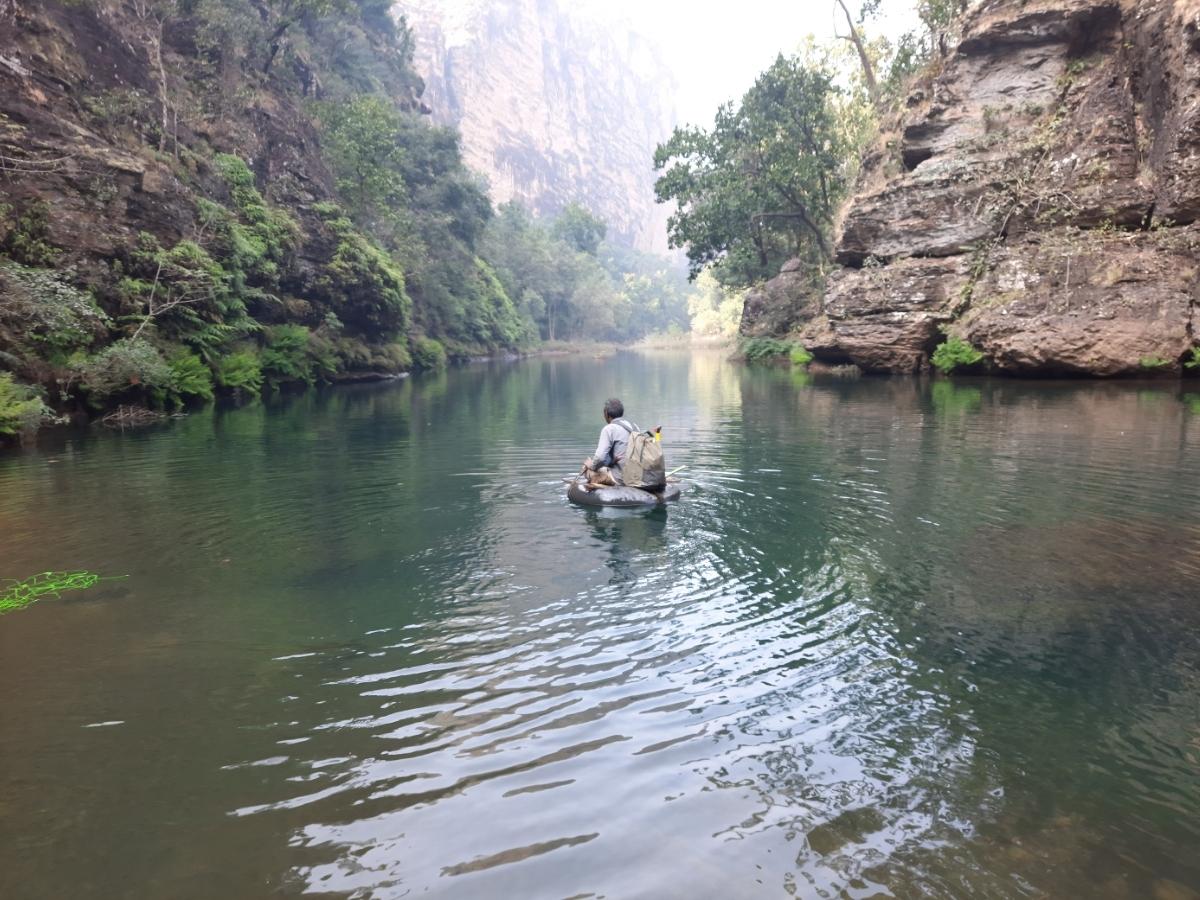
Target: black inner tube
(620, 496)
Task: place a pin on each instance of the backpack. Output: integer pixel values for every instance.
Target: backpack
(643, 466)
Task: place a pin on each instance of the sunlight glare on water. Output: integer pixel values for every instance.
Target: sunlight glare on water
(898, 638)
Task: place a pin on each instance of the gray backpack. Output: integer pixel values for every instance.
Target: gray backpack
(643, 466)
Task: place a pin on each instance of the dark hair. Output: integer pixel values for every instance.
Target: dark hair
(614, 408)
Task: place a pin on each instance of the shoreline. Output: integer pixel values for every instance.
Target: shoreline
(132, 417)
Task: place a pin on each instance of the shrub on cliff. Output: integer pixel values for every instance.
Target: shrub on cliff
(184, 293)
(240, 373)
(800, 356)
(354, 355)
(22, 410)
(295, 354)
(955, 353)
(191, 379)
(27, 237)
(261, 238)
(428, 354)
(131, 366)
(363, 285)
(41, 312)
(757, 349)
(488, 317)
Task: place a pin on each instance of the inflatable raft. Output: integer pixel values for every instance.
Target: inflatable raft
(620, 496)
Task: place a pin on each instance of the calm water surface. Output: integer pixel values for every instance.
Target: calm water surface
(898, 639)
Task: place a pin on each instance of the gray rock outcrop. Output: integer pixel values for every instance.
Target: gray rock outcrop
(1038, 200)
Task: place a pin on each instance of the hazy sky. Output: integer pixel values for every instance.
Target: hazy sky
(717, 47)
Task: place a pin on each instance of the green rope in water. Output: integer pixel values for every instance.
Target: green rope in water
(20, 594)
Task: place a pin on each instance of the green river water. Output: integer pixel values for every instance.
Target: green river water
(898, 638)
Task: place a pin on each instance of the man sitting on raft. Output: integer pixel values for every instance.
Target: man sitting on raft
(604, 468)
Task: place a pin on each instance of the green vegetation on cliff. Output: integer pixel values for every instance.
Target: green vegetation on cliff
(224, 196)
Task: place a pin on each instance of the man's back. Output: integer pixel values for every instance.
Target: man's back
(614, 443)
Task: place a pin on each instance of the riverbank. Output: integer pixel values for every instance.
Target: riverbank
(25, 411)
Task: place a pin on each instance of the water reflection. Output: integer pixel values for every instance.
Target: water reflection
(899, 638)
(627, 535)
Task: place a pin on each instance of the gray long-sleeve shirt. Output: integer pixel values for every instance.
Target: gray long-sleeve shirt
(611, 450)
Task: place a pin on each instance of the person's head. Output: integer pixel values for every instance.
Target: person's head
(613, 409)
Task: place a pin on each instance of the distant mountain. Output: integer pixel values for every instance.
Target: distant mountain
(553, 108)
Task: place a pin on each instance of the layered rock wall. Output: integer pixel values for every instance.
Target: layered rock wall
(552, 109)
(1039, 200)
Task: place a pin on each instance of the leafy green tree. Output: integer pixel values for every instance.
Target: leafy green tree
(856, 38)
(362, 144)
(764, 183)
(714, 311)
(579, 228)
(531, 265)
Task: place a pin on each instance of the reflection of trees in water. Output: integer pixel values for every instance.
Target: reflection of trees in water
(1033, 681)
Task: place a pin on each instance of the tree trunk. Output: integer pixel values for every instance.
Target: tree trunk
(154, 25)
(274, 42)
(855, 37)
(804, 220)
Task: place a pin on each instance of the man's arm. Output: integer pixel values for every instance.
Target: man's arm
(603, 455)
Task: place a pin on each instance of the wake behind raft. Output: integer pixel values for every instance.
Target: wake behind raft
(622, 496)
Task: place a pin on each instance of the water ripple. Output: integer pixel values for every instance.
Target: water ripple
(894, 641)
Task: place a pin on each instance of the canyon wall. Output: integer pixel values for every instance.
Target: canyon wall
(552, 108)
(1038, 198)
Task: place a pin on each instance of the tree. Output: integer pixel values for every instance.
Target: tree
(714, 311)
(152, 16)
(361, 142)
(941, 19)
(281, 15)
(855, 37)
(577, 226)
(763, 185)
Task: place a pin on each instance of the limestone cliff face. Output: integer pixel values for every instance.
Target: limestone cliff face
(552, 108)
(1040, 200)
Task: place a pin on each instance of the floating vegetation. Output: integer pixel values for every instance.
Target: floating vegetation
(19, 594)
(135, 417)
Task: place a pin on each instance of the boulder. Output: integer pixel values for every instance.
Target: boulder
(1080, 302)
(784, 303)
(888, 319)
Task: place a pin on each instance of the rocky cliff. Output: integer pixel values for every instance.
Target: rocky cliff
(552, 108)
(201, 197)
(1039, 200)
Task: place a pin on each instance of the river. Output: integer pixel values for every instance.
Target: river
(898, 638)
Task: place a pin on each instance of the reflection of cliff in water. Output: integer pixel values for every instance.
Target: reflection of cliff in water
(1026, 589)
